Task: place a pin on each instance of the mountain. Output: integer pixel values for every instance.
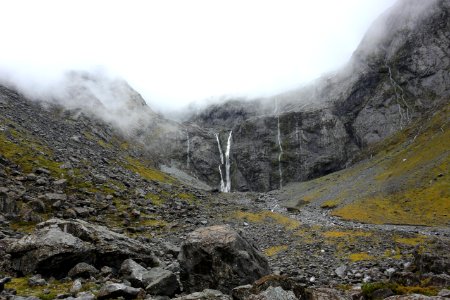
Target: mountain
(339, 189)
(398, 73)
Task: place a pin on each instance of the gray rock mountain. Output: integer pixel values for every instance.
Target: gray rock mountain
(399, 71)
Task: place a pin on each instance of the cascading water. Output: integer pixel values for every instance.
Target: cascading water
(225, 185)
(280, 170)
(188, 158)
(220, 148)
(398, 97)
(227, 164)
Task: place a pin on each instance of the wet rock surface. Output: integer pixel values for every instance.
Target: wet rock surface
(217, 257)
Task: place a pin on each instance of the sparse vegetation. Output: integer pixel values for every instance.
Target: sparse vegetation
(268, 216)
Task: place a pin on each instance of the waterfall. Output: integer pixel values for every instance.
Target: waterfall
(399, 96)
(188, 150)
(225, 185)
(222, 185)
(220, 148)
(227, 164)
(280, 171)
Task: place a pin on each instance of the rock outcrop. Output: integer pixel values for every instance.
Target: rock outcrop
(58, 245)
(398, 73)
(217, 257)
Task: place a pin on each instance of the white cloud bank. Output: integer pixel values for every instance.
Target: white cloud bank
(174, 52)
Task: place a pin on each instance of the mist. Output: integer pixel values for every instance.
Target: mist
(177, 52)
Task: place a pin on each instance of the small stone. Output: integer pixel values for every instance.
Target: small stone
(36, 280)
(312, 279)
(444, 293)
(76, 286)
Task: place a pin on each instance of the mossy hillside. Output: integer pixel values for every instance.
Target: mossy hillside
(267, 216)
(407, 182)
(369, 288)
(147, 172)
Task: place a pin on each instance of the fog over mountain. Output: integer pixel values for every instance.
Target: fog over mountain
(174, 53)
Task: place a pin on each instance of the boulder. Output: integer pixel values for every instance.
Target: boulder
(274, 293)
(134, 273)
(82, 270)
(8, 205)
(162, 282)
(325, 294)
(156, 281)
(116, 290)
(217, 257)
(57, 245)
(207, 294)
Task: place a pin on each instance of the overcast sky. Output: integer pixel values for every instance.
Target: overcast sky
(175, 52)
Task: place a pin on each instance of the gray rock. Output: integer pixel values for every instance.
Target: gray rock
(134, 273)
(207, 294)
(162, 282)
(382, 293)
(36, 280)
(83, 270)
(444, 293)
(218, 257)
(116, 290)
(341, 271)
(8, 205)
(53, 197)
(325, 294)
(274, 293)
(58, 245)
(4, 281)
(76, 286)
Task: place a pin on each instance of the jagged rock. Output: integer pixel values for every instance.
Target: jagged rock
(58, 245)
(76, 286)
(162, 282)
(274, 293)
(207, 294)
(4, 281)
(241, 292)
(82, 270)
(218, 257)
(381, 293)
(37, 206)
(341, 271)
(444, 293)
(116, 290)
(325, 294)
(14, 297)
(432, 262)
(53, 197)
(134, 273)
(36, 280)
(8, 205)
(156, 281)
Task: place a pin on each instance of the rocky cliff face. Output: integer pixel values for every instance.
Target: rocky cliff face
(399, 71)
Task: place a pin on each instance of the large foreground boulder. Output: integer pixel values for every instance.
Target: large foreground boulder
(58, 245)
(217, 257)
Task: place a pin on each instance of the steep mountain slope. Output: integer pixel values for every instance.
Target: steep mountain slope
(399, 72)
(406, 182)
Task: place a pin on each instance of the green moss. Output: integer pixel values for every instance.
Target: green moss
(360, 256)
(155, 199)
(54, 288)
(29, 155)
(147, 172)
(267, 216)
(330, 204)
(274, 250)
(104, 144)
(369, 288)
